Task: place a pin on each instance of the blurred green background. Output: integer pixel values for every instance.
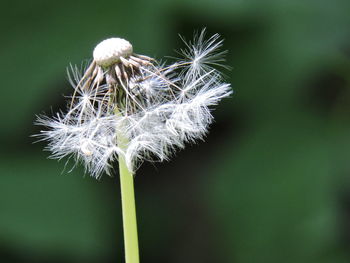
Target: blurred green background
(271, 183)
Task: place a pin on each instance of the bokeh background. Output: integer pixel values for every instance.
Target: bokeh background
(271, 183)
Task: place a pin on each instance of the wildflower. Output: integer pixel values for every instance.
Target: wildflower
(131, 106)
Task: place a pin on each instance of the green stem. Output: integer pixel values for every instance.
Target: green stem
(129, 213)
(131, 245)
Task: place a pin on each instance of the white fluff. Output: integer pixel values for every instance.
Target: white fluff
(165, 107)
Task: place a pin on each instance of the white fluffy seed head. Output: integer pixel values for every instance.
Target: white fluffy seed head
(164, 106)
(110, 50)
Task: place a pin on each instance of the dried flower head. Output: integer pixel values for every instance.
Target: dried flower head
(129, 105)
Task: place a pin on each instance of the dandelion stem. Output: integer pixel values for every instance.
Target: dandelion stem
(129, 212)
(131, 245)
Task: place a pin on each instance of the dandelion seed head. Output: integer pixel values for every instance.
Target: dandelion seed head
(110, 51)
(130, 105)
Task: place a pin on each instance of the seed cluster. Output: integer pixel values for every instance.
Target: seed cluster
(129, 105)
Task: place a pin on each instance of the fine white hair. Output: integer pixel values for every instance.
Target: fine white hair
(137, 108)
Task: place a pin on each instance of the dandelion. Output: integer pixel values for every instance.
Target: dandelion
(131, 108)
